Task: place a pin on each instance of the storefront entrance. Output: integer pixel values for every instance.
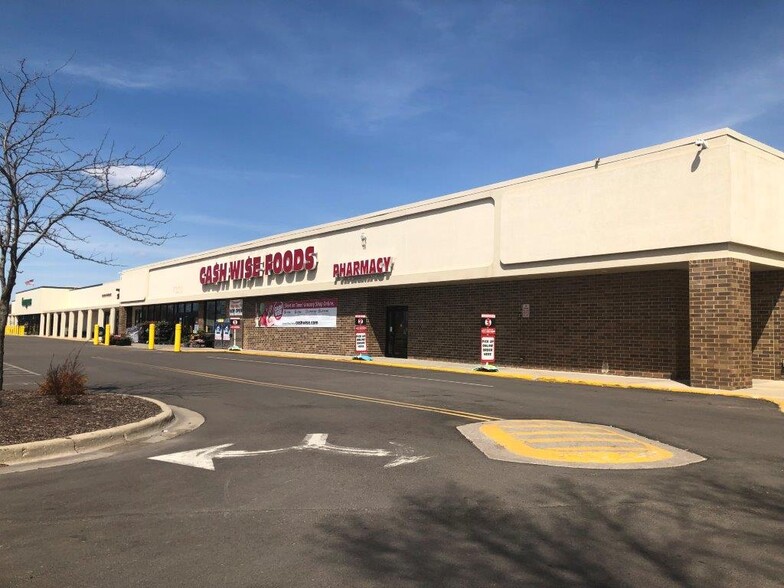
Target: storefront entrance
(397, 331)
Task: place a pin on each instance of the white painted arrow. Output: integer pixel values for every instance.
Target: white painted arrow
(204, 458)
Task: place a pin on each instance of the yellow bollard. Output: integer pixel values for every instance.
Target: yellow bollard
(22, 330)
(96, 335)
(106, 334)
(177, 337)
(151, 342)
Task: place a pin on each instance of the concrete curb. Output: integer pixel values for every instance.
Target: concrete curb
(74, 445)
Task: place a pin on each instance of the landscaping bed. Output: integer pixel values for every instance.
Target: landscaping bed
(27, 415)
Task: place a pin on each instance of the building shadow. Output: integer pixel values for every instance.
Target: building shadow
(707, 534)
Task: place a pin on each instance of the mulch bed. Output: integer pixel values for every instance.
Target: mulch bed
(28, 416)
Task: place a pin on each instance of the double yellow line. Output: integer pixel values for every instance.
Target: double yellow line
(316, 391)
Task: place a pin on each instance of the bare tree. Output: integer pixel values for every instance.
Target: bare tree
(52, 191)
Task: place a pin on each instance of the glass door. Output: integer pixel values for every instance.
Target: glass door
(397, 331)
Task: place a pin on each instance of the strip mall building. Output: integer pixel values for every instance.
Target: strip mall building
(667, 261)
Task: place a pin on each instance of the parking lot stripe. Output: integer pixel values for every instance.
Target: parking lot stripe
(351, 371)
(316, 391)
(16, 367)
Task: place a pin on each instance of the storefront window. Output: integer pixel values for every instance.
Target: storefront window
(209, 316)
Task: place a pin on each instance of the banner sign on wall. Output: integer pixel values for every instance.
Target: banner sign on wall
(298, 313)
(487, 355)
(235, 308)
(360, 332)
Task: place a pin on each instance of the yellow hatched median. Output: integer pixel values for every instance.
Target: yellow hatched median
(562, 441)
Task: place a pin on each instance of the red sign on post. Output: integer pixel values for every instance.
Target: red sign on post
(360, 333)
(487, 346)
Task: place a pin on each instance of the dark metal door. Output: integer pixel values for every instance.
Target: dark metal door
(397, 331)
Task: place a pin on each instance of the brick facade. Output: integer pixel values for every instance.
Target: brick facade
(767, 322)
(333, 341)
(632, 323)
(720, 323)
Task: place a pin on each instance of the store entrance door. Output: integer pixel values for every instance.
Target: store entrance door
(397, 331)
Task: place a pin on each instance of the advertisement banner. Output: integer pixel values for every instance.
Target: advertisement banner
(360, 333)
(487, 355)
(235, 308)
(298, 313)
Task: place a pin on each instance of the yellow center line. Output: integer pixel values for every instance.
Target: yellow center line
(316, 391)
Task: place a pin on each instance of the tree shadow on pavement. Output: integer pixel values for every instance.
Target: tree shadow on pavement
(706, 534)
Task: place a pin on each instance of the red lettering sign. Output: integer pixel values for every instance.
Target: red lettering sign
(365, 267)
(238, 269)
(293, 260)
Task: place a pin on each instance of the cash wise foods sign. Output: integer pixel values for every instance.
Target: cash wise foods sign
(280, 262)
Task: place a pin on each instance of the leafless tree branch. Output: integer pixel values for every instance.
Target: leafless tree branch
(50, 191)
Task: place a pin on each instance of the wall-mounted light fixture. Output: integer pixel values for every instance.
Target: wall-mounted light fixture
(363, 238)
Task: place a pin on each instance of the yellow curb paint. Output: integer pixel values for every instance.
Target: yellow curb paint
(616, 448)
(316, 391)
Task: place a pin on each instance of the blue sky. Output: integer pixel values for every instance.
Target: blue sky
(290, 114)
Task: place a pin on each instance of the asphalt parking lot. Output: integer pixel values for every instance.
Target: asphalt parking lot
(304, 516)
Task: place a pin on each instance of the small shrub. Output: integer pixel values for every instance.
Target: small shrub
(164, 332)
(119, 340)
(65, 381)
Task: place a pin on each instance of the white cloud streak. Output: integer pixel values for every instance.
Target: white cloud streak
(136, 177)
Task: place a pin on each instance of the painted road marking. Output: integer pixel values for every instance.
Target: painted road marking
(316, 391)
(572, 444)
(318, 367)
(204, 458)
(16, 367)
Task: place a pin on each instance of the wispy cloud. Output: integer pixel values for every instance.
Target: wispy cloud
(133, 177)
(203, 73)
(732, 97)
(121, 77)
(227, 222)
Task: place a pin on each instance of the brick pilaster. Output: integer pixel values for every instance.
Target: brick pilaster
(122, 320)
(720, 323)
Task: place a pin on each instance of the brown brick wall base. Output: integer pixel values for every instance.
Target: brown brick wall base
(720, 323)
(629, 324)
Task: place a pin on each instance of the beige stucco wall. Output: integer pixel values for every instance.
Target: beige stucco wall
(46, 299)
(757, 207)
(442, 242)
(656, 202)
